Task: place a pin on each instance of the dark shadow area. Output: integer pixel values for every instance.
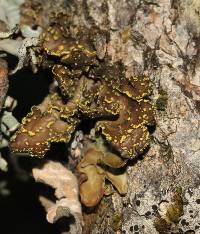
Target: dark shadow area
(28, 89)
(21, 212)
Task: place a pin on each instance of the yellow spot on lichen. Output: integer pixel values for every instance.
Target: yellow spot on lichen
(61, 47)
(30, 133)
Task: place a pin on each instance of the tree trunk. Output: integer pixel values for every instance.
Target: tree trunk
(158, 39)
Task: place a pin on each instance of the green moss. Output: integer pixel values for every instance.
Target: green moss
(173, 214)
(161, 102)
(175, 211)
(166, 151)
(179, 190)
(117, 222)
(161, 225)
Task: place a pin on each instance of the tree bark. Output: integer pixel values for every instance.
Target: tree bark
(158, 39)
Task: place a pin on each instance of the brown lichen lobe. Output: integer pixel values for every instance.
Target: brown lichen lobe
(94, 89)
(128, 134)
(126, 98)
(41, 127)
(75, 53)
(96, 167)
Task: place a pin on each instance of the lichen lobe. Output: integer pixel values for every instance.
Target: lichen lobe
(94, 89)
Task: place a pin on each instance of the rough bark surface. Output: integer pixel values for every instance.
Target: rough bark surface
(160, 39)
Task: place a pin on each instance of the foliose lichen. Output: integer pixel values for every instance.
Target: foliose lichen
(89, 88)
(97, 89)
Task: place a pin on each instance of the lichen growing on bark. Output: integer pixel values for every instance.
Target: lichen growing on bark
(119, 44)
(96, 89)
